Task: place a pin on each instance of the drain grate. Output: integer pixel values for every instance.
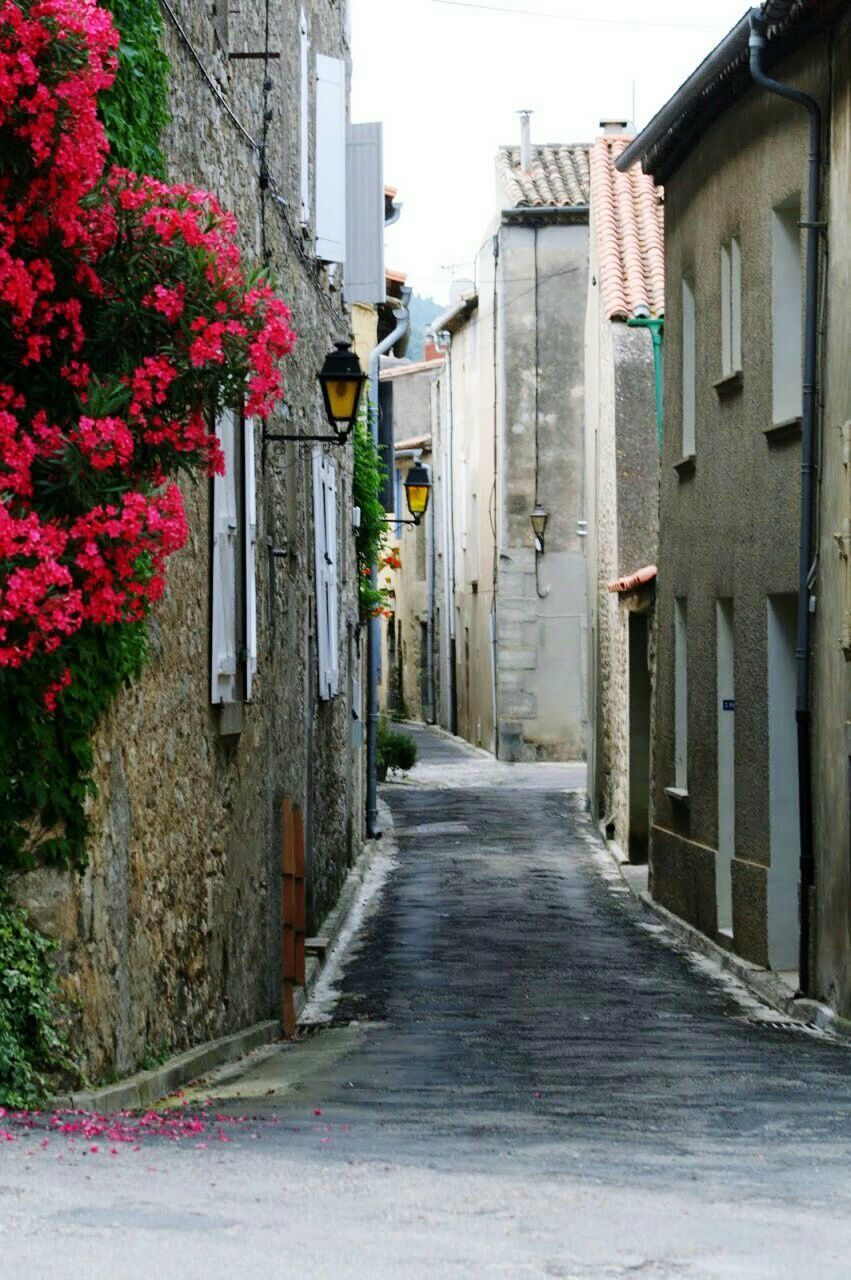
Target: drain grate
(440, 829)
(781, 1024)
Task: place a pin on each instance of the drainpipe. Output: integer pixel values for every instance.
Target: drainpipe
(656, 325)
(373, 645)
(757, 44)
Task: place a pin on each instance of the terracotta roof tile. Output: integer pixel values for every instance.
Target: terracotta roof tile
(629, 225)
(630, 581)
(391, 371)
(415, 442)
(558, 176)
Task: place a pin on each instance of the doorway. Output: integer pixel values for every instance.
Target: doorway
(639, 736)
(725, 719)
(784, 833)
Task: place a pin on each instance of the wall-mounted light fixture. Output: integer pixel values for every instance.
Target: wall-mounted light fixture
(342, 381)
(417, 493)
(539, 526)
(539, 519)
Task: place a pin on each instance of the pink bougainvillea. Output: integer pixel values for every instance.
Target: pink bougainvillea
(128, 320)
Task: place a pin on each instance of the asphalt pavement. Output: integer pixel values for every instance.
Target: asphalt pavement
(511, 1070)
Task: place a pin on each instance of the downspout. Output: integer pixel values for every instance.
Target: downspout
(757, 45)
(656, 325)
(373, 647)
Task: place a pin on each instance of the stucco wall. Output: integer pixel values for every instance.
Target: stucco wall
(172, 934)
(729, 527)
(622, 470)
(541, 696)
(832, 674)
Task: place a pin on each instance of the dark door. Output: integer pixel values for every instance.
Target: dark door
(639, 737)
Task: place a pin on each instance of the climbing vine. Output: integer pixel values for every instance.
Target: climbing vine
(30, 1045)
(367, 485)
(127, 321)
(135, 109)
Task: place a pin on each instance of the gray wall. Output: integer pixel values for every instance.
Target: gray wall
(172, 935)
(729, 528)
(541, 700)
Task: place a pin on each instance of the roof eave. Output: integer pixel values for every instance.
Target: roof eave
(567, 214)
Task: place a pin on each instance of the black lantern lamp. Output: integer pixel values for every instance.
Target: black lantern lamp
(342, 381)
(418, 490)
(539, 526)
(417, 494)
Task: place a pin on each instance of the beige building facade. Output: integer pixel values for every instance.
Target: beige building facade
(726, 833)
(507, 438)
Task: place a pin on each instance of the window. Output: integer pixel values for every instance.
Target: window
(680, 694)
(234, 586)
(689, 368)
(330, 159)
(304, 118)
(786, 345)
(731, 308)
(325, 544)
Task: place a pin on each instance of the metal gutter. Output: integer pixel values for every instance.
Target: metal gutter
(557, 214)
(732, 50)
(812, 228)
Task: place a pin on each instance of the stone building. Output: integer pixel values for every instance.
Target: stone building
(172, 935)
(753, 635)
(408, 677)
(509, 439)
(626, 302)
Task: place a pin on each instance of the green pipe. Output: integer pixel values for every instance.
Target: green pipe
(656, 325)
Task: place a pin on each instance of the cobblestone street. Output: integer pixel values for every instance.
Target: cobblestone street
(519, 1074)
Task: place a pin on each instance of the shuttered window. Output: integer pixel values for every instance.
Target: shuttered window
(304, 117)
(327, 590)
(233, 611)
(225, 549)
(330, 159)
(365, 279)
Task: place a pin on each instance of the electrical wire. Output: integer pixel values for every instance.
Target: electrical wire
(576, 17)
(259, 147)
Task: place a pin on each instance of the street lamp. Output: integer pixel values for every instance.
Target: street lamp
(539, 526)
(417, 494)
(418, 490)
(342, 381)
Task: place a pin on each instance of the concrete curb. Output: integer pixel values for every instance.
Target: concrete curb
(147, 1087)
(762, 983)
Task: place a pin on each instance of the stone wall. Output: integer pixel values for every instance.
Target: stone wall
(171, 935)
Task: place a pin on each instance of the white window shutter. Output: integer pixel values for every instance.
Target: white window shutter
(225, 531)
(304, 117)
(320, 548)
(330, 159)
(365, 280)
(250, 559)
(331, 577)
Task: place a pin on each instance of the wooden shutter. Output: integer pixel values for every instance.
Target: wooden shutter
(250, 559)
(225, 536)
(330, 159)
(325, 545)
(365, 280)
(304, 117)
(332, 577)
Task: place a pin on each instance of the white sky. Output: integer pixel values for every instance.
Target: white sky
(447, 80)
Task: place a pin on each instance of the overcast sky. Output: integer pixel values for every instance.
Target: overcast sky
(448, 78)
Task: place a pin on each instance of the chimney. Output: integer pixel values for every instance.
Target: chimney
(615, 126)
(525, 140)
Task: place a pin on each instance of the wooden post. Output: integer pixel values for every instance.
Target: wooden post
(293, 914)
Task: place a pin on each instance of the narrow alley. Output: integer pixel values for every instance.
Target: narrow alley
(519, 1074)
